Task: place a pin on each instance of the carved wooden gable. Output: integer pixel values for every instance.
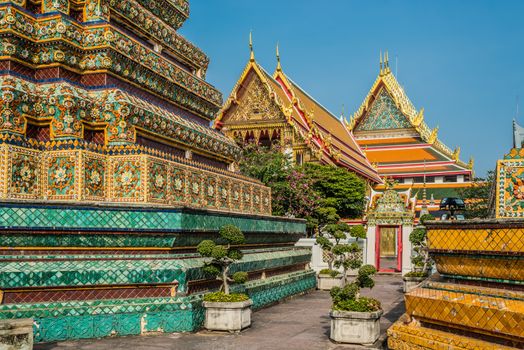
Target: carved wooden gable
(255, 104)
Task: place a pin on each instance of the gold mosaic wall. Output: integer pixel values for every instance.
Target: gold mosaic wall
(83, 176)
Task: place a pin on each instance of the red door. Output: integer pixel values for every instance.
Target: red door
(388, 248)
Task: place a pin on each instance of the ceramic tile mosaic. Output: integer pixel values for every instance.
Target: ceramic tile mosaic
(459, 310)
(77, 273)
(482, 313)
(62, 217)
(90, 319)
(509, 269)
(412, 337)
(496, 239)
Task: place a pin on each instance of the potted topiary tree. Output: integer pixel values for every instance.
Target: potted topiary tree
(328, 278)
(421, 261)
(349, 256)
(225, 311)
(354, 318)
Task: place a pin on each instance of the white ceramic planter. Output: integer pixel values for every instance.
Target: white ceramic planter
(411, 282)
(326, 282)
(16, 334)
(232, 317)
(355, 327)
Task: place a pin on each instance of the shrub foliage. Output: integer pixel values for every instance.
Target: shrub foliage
(221, 256)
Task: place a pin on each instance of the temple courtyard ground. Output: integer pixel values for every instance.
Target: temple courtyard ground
(298, 323)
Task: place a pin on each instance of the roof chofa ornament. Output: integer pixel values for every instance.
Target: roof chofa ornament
(384, 63)
(251, 52)
(279, 67)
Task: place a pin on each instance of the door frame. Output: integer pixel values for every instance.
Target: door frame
(399, 248)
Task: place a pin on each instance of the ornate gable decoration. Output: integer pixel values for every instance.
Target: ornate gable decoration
(390, 210)
(383, 114)
(256, 104)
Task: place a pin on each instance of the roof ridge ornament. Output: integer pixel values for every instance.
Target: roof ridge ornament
(384, 63)
(279, 67)
(251, 52)
(381, 66)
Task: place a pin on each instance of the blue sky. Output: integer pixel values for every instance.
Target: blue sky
(463, 61)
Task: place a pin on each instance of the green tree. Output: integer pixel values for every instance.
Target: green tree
(348, 298)
(292, 192)
(337, 188)
(222, 256)
(477, 197)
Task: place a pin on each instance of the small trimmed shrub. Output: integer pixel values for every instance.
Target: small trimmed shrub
(222, 256)
(345, 256)
(221, 297)
(348, 298)
(426, 217)
(332, 273)
(416, 274)
(421, 259)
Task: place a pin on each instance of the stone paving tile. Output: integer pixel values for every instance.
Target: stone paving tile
(301, 323)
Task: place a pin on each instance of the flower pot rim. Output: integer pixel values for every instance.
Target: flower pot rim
(228, 305)
(414, 278)
(325, 275)
(372, 315)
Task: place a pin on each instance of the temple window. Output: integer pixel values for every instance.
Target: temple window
(299, 159)
(38, 132)
(420, 179)
(264, 139)
(450, 178)
(94, 136)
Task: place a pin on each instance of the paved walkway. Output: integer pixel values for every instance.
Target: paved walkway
(297, 324)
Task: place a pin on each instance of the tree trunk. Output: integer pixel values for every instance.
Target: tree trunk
(224, 279)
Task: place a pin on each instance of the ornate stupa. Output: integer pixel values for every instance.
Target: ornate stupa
(110, 175)
(476, 300)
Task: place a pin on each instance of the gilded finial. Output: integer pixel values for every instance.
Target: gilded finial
(471, 163)
(279, 67)
(433, 136)
(419, 118)
(386, 62)
(252, 53)
(380, 61)
(456, 154)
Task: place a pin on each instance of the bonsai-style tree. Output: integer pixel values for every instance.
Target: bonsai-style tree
(223, 255)
(421, 259)
(348, 298)
(345, 256)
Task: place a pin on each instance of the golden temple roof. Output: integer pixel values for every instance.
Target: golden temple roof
(387, 80)
(323, 133)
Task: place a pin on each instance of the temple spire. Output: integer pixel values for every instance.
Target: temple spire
(380, 61)
(251, 52)
(279, 67)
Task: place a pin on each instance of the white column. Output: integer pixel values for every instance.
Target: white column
(406, 249)
(370, 245)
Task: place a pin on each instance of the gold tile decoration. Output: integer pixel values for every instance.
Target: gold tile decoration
(481, 313)
(492, 268)
(461, 307)
(474, 289)
(496, 239)
(412, 336)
